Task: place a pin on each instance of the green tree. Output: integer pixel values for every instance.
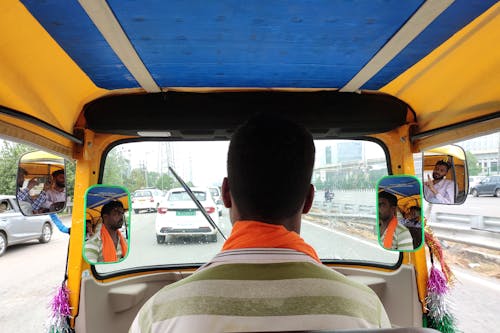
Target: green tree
(136, 180)
(70, 178)
(472, 164)
(10, 153)
(117, 170)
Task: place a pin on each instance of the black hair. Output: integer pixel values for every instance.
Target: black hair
(57, 173)
(443, 162)
(23, 171)
(107, 208)
(415, 208)
(393, 200)
(270, 163)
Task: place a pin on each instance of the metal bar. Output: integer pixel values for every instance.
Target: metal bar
(424, 16)
(107, 23)
(40, 123)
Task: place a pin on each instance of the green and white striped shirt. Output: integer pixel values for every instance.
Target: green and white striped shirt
(401, 239)
(261, 290)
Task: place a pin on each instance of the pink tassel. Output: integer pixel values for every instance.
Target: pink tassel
(61, 311)
(437, 282)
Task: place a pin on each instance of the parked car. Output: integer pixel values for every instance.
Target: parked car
(16, 228)
(216, 195)
(487, 186)
(178, 216)
(147, 199)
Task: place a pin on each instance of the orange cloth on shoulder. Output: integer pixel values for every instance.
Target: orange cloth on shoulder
(108, 246)
(393, 223)
(254, 234)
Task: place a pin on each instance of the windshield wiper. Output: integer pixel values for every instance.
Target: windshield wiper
(197, 202)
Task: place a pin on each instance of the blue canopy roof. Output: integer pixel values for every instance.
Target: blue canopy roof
(235, 43)
(98, 196)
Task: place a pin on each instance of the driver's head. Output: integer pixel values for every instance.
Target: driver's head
(112, 214)
(269, 164)
(59, 178)
(440, 170)
(387, 205)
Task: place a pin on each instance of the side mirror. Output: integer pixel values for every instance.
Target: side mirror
(444, 175)
(399, 213)
(107, 216)
(41, 183)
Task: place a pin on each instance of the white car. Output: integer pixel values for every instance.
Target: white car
(216, 195)
(147, 199)
(178, 216)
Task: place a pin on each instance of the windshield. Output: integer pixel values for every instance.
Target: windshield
(340, 226)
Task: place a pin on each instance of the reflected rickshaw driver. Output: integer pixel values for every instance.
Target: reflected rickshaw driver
(393, 235)
(108, 244)
(438, 189)
(267, 278)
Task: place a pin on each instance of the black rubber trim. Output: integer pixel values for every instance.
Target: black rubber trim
(173, 268)
(40, 123)
(215, 115)
(459, 125)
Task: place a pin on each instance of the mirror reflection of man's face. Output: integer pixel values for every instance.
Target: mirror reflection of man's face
(114, 220)
(60, 180)
(439, 172)
(385, 210)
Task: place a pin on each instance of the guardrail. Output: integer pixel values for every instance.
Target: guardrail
(477, 230)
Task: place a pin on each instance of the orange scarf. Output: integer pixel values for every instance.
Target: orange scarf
(108, 246)
(253, 234)
(393, 223)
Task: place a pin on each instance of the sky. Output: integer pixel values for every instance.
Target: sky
(203, 163)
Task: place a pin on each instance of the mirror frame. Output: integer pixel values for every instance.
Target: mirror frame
(406, 190)
(96, 196)
(457, 172)
(34, 163)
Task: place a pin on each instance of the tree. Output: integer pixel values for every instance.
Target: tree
(10, 153)
(70, 178)
(472, 164)
(117, 170)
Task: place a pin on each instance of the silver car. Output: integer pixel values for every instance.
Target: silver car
(16, 228)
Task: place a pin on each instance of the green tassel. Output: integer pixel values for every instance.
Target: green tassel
(445, 325)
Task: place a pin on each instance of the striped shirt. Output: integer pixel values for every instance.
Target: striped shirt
(401, 239)
(261, 289)
(93, 247)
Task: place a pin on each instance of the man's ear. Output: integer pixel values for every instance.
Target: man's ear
(226, 196)
(309, 200)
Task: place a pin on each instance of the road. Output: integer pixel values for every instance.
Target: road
(31, 272)
(484, 205)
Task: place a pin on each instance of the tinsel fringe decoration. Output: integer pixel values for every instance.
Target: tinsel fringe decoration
(437, 252)
(446, 325)
(438, 315)
(60, 311)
